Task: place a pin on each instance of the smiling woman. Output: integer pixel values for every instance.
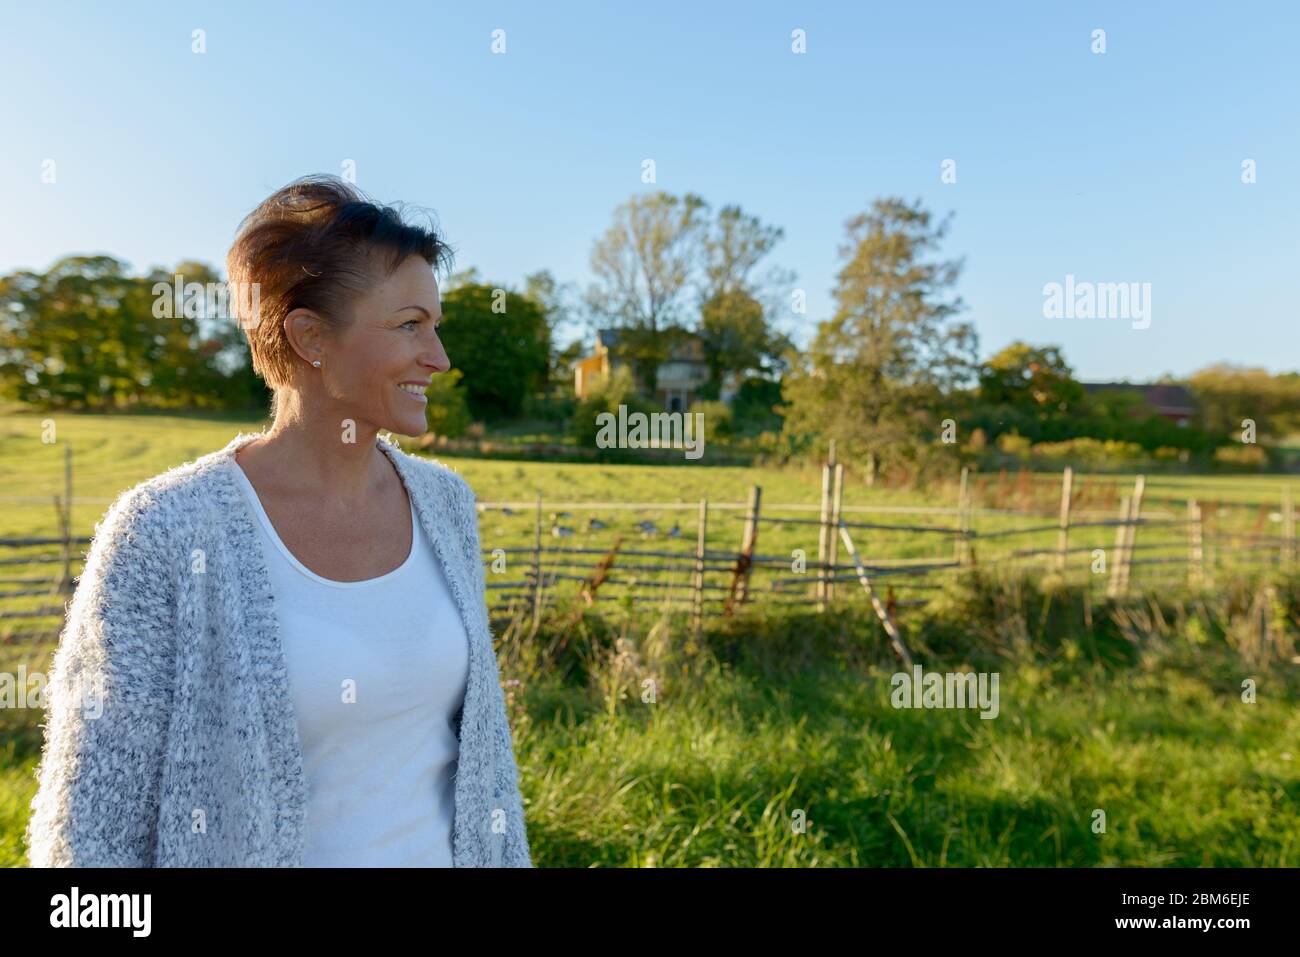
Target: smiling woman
(302, 612)
(334, 270)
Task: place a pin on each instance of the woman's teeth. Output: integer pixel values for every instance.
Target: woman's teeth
(415, 392)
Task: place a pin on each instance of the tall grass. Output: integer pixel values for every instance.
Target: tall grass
(639, 747)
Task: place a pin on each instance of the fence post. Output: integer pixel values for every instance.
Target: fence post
(1130, 539)
(751, 539)
(1117, 559)
(1125, 538)
(832, 545)
(739, 590)
(962, 548)
(824, 531)
(1063, 541)
(537, 565)
(67, 516)
(1196, 551)
(700, 536)
(1211, 552)
(1288, 525)
(62, 585)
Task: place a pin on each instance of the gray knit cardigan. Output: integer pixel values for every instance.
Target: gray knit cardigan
(170, 735)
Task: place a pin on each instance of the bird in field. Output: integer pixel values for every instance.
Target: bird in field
(675, 531)
(595, 525)
(507, 512)
(559, 531)
(647, 527)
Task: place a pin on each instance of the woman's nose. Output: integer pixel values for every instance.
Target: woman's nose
(435, 356)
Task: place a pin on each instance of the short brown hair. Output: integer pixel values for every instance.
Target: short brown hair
(316, 244)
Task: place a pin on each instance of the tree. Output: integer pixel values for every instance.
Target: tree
(754, 407)
(1034, 378)
(878, 371)
(1226, 394)
(86, 334)
(464, 277)
(552, 297)
(643, 266)
(566, 357)
(660, 249)
(735, 334)
(606, 395)
(499, 338)
(207, 361)
(1029, 390)
(732, 246)
(447, 413)
(736, 305)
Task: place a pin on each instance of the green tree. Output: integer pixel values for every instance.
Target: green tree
(86, 334)
(1029, 390)
(644, 265)
(463, 277)
(735, 334)
(732, 245)
(878, 371)
(500, 340)
(737, 304)
(607, 395)
(1033, 378)
(1226, 394)
(660, 250)
(448, 410)
(553, 298)
(754, 407)
(562, 367)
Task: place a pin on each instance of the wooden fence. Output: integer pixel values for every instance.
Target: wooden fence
(720, 580)
(703, 581)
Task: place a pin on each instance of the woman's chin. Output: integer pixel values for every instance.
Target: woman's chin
(409, 425)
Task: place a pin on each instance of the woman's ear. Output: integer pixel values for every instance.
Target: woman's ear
(302, 330)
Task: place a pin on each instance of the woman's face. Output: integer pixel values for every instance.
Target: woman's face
(380, 365)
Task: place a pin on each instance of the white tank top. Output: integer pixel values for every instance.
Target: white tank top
(377, 671)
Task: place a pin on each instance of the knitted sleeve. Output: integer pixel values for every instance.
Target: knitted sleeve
(108, 700)
(514, 850)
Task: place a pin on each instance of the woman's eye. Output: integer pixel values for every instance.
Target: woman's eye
(411, 322)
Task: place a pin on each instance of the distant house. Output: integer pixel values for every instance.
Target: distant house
(1173, 402)
(678, 379)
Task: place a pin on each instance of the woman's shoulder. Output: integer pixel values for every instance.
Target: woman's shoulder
(164, 502)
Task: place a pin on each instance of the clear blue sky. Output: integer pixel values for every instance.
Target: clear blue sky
(1122, 167)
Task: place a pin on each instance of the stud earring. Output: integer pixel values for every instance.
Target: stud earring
(316, 363)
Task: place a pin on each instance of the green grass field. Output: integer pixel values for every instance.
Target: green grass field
(1134, 711)
(712, 775)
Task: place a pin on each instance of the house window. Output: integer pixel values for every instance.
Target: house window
(674, 402)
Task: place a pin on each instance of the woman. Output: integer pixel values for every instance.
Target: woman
(279, 654)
